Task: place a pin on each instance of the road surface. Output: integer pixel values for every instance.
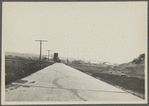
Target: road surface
(59, 82)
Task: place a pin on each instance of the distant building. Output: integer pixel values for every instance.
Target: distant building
(108, 63)
(94, 63)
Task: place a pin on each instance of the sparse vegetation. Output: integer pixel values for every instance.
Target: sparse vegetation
(139, 60)
(128, 76)
(18, 67)
(77, 62)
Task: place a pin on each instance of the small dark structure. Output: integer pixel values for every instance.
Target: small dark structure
(56, 58)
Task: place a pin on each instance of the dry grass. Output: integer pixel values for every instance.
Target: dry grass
(129, 79)
(16, 69)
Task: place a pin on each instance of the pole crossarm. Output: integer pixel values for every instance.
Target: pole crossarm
(41, 46)
(41, 40)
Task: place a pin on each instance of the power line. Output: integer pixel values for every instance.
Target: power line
(41, 46)
(48, 53)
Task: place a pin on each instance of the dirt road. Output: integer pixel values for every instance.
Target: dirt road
(59, 82)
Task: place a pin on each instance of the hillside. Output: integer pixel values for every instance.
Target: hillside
(127, 76)
(134, 68)
(23, 55)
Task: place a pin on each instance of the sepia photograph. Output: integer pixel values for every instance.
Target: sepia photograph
(74, 53)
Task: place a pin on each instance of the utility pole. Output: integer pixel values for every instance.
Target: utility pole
(41, 46)
(48, 53)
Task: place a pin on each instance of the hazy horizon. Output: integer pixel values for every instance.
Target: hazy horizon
(43, 55)
(104, 31)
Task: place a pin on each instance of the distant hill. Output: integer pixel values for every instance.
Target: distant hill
(88, 61)
(135, 68)
(65, 58)
(24, 55)
(140, 59)
(137, 61)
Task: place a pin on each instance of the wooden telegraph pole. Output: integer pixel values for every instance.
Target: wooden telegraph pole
(41, 46)
(48, 53)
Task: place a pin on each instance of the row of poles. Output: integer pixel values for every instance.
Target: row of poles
(41, 48)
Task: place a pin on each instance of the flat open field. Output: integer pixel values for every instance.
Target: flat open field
(121, 79)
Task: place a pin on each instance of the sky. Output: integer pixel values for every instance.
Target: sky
(102, 31)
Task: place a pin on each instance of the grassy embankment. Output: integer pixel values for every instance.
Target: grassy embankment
(19, 68)
(130, 79)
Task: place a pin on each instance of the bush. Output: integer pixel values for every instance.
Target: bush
(16, 69)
